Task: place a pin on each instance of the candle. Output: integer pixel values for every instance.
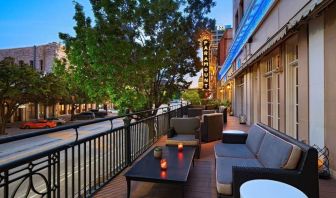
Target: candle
(180, 147)
(164, 164)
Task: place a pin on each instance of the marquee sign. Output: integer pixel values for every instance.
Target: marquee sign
(206, 55)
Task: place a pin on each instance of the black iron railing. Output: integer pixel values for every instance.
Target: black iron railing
(79, 167)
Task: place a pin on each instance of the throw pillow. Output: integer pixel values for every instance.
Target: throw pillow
(171, 132)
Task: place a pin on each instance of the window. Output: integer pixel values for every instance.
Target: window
(292, 88)
(31, 63)
(273, 92)
(41, 65)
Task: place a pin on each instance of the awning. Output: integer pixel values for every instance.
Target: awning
(250, 22)
(280, 35)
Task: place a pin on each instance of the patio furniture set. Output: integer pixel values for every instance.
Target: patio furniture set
(262, 155)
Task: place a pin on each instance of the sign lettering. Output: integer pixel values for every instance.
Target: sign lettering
(205, 46)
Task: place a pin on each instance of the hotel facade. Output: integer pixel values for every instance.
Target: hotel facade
(281, 68)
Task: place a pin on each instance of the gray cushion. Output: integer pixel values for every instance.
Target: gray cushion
(274, 152)
(185, 125)
(233, 150)
(188, 140)
(254, 138)
(224, 172)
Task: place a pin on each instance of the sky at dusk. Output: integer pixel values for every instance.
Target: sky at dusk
(34, 22)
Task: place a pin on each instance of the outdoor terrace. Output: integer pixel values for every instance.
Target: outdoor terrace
(201, 182)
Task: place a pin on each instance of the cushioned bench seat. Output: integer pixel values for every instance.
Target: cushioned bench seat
(233, 150)
(262, 149)
(224, 172)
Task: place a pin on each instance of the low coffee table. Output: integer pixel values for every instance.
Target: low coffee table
(148, 168)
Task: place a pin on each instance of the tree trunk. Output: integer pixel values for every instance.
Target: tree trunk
(73, 109)
(3, 120)
(36, 110)
(45, 111)
(2, 126)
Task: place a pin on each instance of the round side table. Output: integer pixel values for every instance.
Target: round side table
(264, 188)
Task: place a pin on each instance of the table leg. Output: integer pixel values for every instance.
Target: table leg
(183, 191)
(128, 188)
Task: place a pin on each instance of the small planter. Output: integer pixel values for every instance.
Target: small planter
(158, 152)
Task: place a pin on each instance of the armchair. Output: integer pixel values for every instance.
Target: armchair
(212, 127)
(187, 132)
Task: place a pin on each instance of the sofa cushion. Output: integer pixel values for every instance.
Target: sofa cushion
(185, 125)
(188, 140)
(224, 172)
(277, 153)
(254, 138)
(233, 150)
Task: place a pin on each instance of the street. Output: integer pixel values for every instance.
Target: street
(17, 149)
(72, 165)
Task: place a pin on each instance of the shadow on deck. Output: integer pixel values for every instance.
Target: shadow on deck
(201, 183)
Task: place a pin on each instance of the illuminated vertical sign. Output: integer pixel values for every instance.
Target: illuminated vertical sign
(205, 45)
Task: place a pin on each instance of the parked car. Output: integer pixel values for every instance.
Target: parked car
(38, 124)
(59, 121)
(99, 113)
(85, 116)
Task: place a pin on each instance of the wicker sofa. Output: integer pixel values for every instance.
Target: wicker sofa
(187, 132)
(264, 153)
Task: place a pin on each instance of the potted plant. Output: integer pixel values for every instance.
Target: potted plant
(158, 152)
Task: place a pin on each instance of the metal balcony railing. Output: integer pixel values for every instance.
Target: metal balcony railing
(79, 167)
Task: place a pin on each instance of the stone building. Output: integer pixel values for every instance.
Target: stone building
(41, 58)
(281, 67)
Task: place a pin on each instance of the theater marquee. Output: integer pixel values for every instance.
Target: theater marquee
(206, 45)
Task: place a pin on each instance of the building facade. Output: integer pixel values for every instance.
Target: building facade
(41, 58)
(224, 92)
(281, 67)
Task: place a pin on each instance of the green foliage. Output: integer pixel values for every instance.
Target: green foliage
(73, 92)
(18, 85)
(192, 96)
(226, 103)
(137, 49)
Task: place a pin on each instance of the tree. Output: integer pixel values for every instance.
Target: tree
(52, 90)
(138, 50)
(71, 91)
(192, 96)
(18, 85)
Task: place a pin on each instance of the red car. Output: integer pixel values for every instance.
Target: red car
(38, 124)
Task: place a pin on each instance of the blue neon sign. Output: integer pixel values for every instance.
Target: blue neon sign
(249, 23)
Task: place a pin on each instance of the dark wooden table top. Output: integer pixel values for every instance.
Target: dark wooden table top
(148, 168)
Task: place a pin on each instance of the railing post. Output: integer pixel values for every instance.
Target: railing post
(181, 109)
(168, 109)
(127, 122)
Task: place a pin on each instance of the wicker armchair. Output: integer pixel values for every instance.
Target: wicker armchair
(187, 132)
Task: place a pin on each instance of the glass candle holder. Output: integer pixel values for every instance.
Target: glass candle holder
(180, 147)
(163, 164)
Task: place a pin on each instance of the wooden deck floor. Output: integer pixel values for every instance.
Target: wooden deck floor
(201, 184)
